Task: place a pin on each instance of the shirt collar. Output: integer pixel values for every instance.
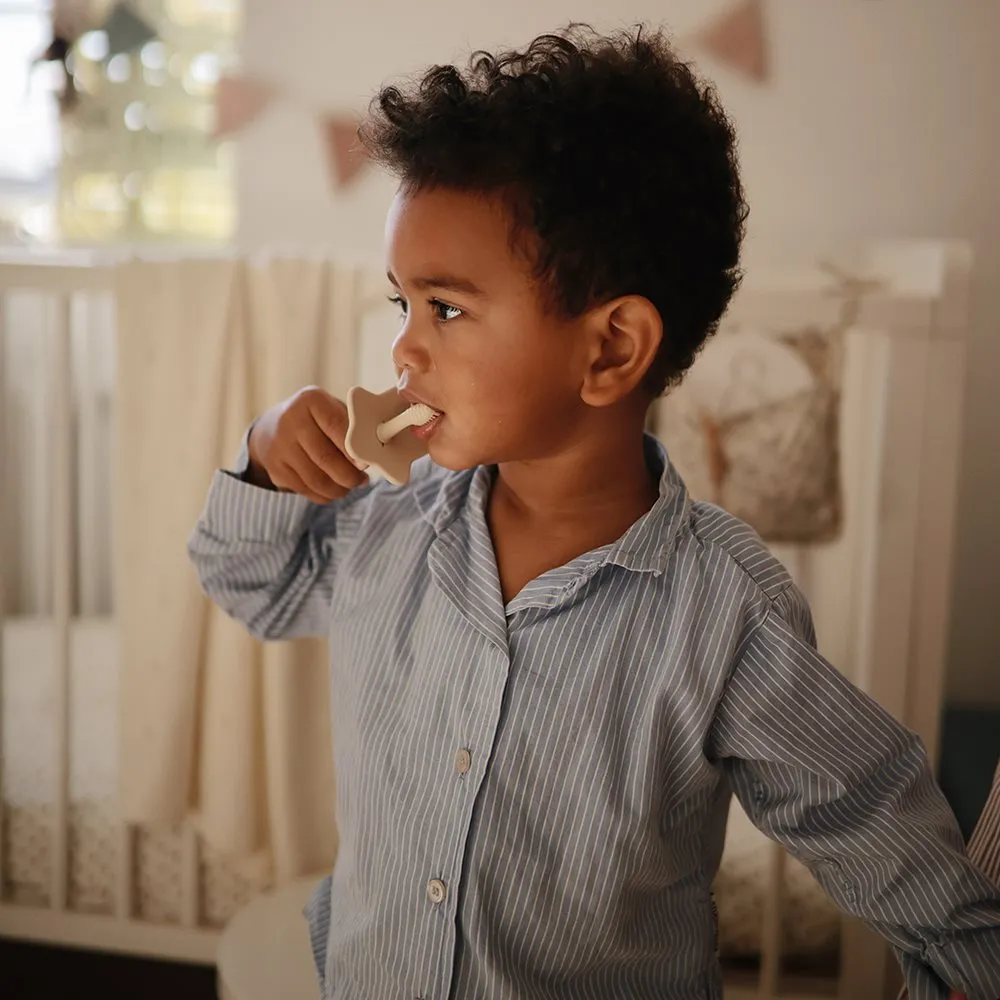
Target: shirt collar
(645, 548)
(648, 544)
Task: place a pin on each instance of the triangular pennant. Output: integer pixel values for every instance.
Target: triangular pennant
(70, 18)
(126, 30)
(238, 101)
(346, 155)
(737, 39)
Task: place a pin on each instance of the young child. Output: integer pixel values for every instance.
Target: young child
(550, 666)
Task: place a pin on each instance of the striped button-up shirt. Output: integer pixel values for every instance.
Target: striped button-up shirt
(532, 798)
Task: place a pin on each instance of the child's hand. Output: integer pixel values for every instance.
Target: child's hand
(298, 446)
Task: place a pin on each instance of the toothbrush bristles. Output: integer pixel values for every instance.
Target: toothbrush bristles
(414, 416)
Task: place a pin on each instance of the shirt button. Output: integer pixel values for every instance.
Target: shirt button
(437, 891)
(463, 761)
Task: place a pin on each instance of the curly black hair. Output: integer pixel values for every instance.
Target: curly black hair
(610, 153)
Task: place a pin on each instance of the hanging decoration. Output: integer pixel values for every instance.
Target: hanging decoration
(126, 30)
(70, 20)
(346, 156)
(755, 427)
(738, 40)
(240, 100)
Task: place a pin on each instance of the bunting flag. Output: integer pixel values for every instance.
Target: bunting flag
(737, 39)
(240, 100)
(71, 19)
(346, 156)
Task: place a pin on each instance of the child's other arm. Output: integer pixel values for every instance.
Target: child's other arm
(825, 772)
(267, 557)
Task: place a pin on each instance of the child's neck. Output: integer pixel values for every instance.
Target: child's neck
(580, 484)
(544, 513)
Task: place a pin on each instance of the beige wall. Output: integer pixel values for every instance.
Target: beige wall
(882, 119)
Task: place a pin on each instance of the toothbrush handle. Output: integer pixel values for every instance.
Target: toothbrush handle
(386, 431)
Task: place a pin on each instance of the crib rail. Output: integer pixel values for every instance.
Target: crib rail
(62, 280)
(896, 623)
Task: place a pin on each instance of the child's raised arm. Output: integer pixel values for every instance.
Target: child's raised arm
(267, 557)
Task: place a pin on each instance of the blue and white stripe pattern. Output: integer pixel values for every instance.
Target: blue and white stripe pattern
(532, 798)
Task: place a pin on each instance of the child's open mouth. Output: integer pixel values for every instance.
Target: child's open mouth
(425, 430)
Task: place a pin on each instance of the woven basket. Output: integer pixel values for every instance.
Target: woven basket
(776, 466)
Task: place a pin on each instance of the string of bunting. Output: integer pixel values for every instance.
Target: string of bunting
(736, 38)
(240, 100)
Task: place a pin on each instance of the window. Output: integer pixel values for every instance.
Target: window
(29, 123)
(133, 161)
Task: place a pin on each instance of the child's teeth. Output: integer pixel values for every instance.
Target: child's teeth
(414, 416)
(421, 414)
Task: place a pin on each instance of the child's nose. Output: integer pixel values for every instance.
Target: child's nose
(409, 350)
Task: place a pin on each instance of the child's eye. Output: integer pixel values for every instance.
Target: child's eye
(445, 312)
(398, 300)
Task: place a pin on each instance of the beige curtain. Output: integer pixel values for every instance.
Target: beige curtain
(214, 725)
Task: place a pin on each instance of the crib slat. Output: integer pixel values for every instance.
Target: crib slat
(61, 534)
(86, 467)
(4, 528)
(125, 882)
(190, 877)
(38, 523)
(771, 933)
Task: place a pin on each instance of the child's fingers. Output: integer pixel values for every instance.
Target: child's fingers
(329, 414)
(315, 478)
(299, 446)
(329, 457)
(287, 478)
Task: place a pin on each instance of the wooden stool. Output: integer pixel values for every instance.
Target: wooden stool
(264, 951)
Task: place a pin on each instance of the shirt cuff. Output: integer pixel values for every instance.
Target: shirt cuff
(240, 469)
(237, 509)
(969, 965)
(970, 961)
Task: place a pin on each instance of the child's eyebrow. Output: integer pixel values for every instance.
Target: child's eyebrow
(444, 282)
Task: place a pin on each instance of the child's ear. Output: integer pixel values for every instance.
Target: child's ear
(623, 338)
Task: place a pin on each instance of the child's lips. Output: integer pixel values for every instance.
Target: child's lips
(424, 431)
(413, 399)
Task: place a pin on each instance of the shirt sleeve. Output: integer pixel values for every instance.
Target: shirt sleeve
(820, 768)
(268, 558)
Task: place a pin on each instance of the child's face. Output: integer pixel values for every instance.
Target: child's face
(477, 343)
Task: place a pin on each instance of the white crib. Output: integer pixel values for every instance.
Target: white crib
(71, 873)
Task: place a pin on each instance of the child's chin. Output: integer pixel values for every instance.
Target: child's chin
(453, 459)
